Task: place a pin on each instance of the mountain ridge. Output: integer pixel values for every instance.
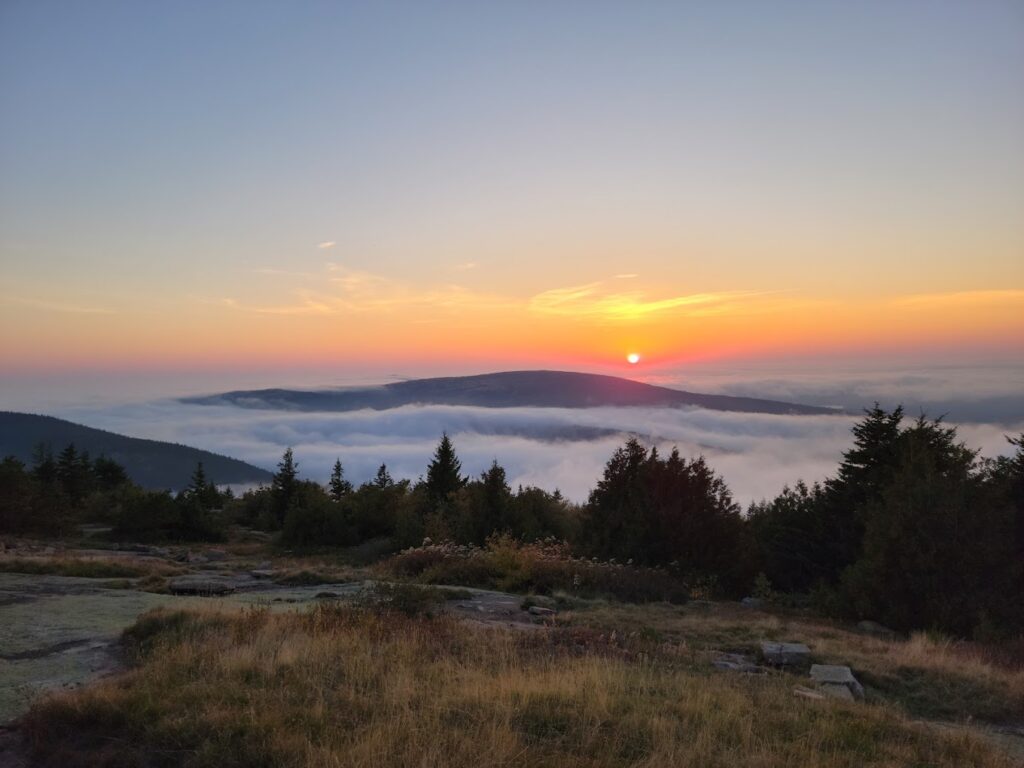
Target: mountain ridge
(150, 463)
(505, 389)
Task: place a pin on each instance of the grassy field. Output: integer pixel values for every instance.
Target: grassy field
(609, 685)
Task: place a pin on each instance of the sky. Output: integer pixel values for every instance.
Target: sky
(434, 187)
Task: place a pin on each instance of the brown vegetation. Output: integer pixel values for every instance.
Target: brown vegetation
(344, 686)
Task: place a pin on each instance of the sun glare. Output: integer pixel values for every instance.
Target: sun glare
(632, 358)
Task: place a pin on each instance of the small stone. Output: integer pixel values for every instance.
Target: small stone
(216, 555)
(753, 602)
(837, 675)
(785, 654)
(537, 610)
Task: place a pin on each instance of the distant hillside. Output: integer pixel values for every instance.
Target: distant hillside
(150, 463)
(545, 389)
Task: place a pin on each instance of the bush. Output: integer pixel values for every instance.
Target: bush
(540, 567)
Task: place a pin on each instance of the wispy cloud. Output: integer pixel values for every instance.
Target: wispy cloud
(466, 266)
(326, 245)
(595, 300)
(353, 291)
(961, 298)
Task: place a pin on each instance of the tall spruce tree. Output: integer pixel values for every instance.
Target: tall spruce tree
(383, 477)
(864, 472)
(443, 478)
(283, 486)
(339, 486)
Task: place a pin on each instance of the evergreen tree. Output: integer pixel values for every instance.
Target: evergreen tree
(383, 477)
(44, 468)
(74, 473)
(443, 476)
(497, 498)
(283, 486)
(928, 543)
(864, 471)
(667, 512)
(108, 473)
(198, 484)
(339, 486)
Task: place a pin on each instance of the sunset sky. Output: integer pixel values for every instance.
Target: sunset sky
(482, 185)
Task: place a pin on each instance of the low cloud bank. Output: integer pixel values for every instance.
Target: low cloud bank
(978, 393)
(548, 447)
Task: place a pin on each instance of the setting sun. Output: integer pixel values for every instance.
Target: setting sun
(632, 358)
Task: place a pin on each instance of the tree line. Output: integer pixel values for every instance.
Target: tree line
(56, 494)
(914, 529)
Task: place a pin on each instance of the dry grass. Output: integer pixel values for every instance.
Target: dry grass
(342, 686)
(924, 676)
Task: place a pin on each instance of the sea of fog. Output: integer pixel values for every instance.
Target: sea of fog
(548, 447)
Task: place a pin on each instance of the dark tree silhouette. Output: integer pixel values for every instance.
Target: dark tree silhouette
(283, 487)
(443, 478)
(338, 485)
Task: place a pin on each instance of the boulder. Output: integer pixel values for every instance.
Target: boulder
(785, 654)
(539, 610)
(836, 680)
(216, 555)
(753, 602)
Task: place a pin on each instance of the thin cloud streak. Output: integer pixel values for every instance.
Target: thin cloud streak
(592, 300)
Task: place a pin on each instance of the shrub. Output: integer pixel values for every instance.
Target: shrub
(539, 567)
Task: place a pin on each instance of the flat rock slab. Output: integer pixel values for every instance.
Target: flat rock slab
(785, 654)
(832, 677)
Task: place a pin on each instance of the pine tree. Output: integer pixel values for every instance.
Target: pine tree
(495, 501)
(383, 478)
(283, 486)
(864, 472)
(108, 473)
(443, 476)
(198, 484)
(339, 486)
(44, 468)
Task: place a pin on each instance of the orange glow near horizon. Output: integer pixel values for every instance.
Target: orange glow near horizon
(380, 325)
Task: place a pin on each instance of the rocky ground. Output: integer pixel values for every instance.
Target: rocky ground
(62, 631)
